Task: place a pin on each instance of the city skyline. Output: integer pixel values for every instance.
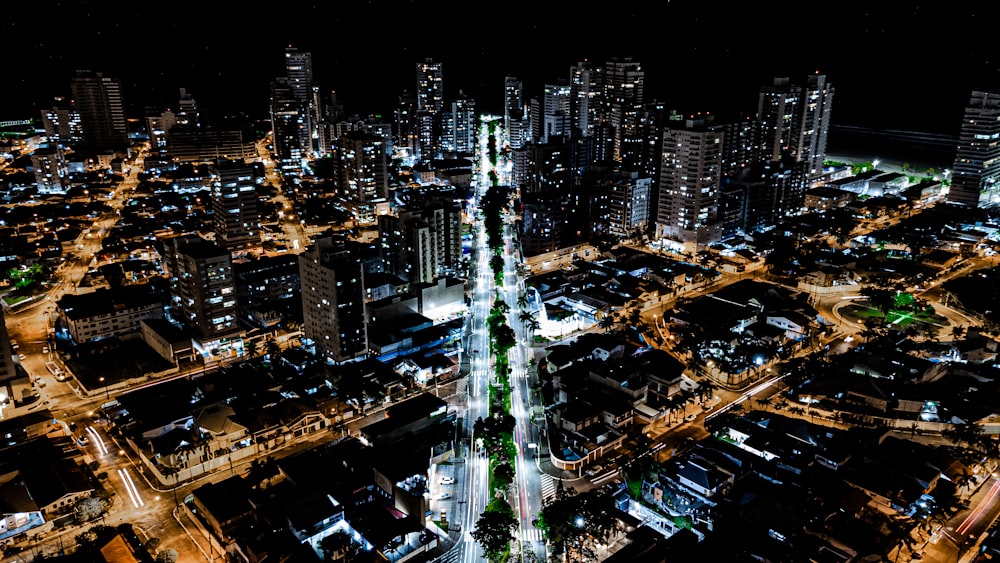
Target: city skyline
(227, 69)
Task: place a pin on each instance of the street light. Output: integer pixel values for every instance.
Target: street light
(107, 393)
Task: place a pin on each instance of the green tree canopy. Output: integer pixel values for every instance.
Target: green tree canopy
(494, 531)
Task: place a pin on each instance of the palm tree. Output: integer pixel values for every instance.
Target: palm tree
(525, 316)
(522, 300)
(707, 390)
(533, 324)
(606, 322)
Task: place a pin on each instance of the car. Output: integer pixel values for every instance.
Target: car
(444, 496)
(45, 349)
(39, 381)
(21, 357)
(446, 480)
(690, 418)
(82, 440)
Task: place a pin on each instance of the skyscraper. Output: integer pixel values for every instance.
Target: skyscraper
(430, 86)
(98, 99)
(584, 93)
(623, 86)
(513, 100)
(423, 240)
(557, 119)
(430, 100)
(794, 120)
(299, 75)
(976, 176)
(688, 201)
(461, 128)
(333, 300)
(234, 206)
(290, 126)
(362, 173)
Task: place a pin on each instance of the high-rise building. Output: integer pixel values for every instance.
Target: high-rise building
(203, 289)
(460, 130)
(544, 220)
(513, 101)
(98, 99)
(976, 172)
(235, 217)
(333, 300)
(623, 81)
(362, 173)
(159, 122)
(290, 126)
(628, 205)
(688, 201)
(187, 114)
(51, 169)
(423, 240)
(62, 122)
(299, 74)
(430, 86)
(267, 288)
(406, 131)
(430, 101)
(584, 95)
(794, 120)
(557, 117)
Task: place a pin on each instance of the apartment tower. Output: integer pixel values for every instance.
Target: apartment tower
(333, 297)
(976, 172)
(98, 99)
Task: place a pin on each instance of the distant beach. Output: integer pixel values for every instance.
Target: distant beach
(892, 148)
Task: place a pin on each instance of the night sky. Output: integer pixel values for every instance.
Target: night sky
(900, 68)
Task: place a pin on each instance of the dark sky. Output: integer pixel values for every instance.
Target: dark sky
(893, 67)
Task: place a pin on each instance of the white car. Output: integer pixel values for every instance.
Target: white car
(690, 417)
(447, 480)
(444, 496)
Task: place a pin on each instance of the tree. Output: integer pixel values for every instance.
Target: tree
(504, 474)
(152, 545)
(533, 324)
(87, 509)
(525, 316)
(504, 338)
(167, 556)
(494, 531)
(522, 300)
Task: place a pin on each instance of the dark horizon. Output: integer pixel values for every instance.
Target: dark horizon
(912, 77)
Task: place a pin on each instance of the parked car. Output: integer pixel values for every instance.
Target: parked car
(446, 480)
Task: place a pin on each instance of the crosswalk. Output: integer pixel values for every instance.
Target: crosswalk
(531, 534)
(548, 486)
